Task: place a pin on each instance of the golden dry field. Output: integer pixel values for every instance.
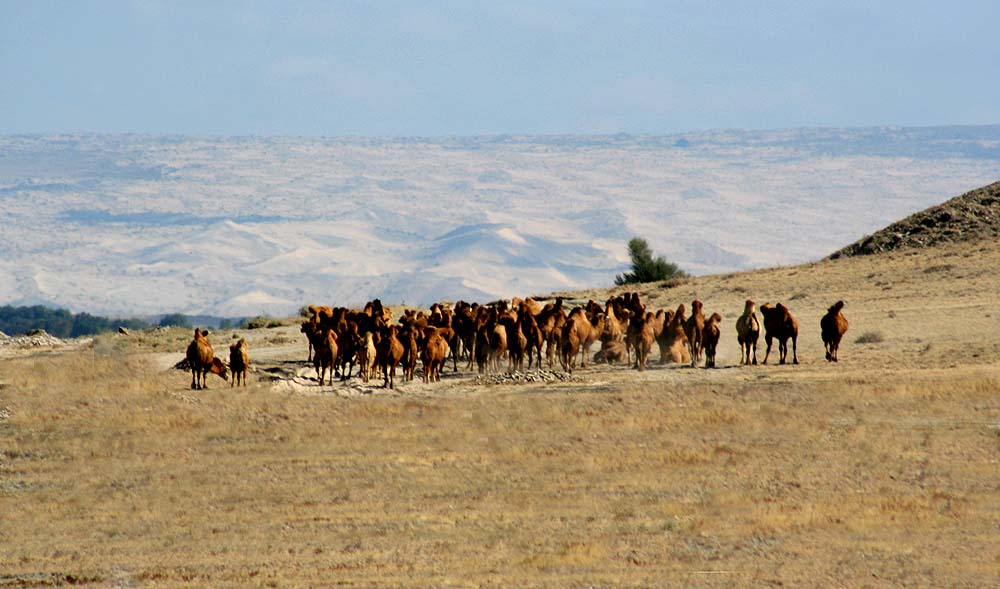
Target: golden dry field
(879, 471)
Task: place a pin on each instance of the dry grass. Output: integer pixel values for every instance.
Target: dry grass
(880, 471)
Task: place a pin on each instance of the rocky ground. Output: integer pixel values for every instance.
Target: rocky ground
(972, 216)
(37, 339)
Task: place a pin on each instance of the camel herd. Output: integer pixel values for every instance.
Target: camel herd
(482, 337)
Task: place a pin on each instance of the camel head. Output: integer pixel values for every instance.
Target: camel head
(219, 367)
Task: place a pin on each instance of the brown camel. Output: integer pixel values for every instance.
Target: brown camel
(781, 325)
(833, 326)
(201, 358)
(748, 332)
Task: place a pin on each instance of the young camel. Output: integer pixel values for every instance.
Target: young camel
(710, 338)
(325, 357)
(366, 357)
(239, 361)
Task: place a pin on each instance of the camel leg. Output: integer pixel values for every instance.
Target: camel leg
(795, 357)
(767, 354)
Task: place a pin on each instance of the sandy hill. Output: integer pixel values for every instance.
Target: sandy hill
(972, 216)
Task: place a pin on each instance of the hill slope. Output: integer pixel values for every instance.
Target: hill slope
(973, 216)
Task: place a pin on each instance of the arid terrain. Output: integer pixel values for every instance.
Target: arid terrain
(137, 225)
(879, 471)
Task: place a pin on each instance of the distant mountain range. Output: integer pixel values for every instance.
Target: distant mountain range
(238, 226)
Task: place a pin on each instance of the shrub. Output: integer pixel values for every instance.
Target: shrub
(646, 268)
(674, 282)
(870, 337)
(262, 322)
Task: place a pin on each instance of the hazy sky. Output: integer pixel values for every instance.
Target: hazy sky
(467, 67)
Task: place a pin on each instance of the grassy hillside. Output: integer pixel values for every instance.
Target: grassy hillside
(879, 471)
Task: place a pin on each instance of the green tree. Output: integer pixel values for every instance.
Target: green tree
(175, 319)
(646, 268)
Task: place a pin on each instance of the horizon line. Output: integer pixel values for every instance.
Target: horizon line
(621, 134)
